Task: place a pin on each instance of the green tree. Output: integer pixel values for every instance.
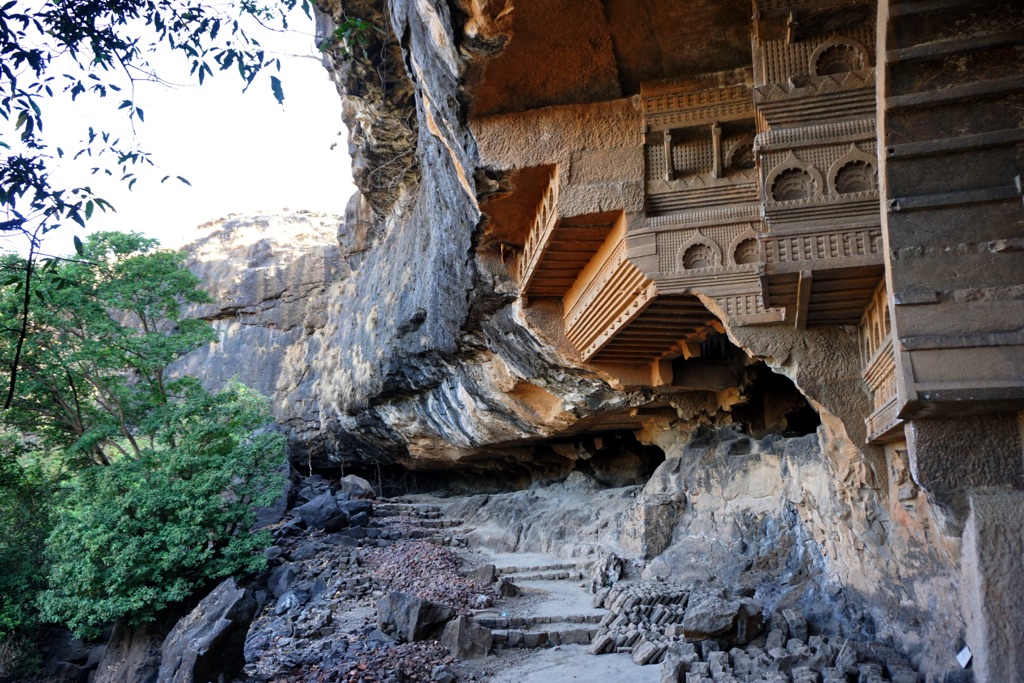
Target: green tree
(99, 337)
(138, 535)
(154, 481)
(25, 515)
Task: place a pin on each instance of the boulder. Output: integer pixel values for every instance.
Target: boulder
(207, 644)
(356, 487)
(64, 657)
(708, 615)
(484, 575)
(311, 487)
(606, 572)
(466, 639)
(507, 589)
(354, 507)
(322, 513)
(290, 601)
(749, 622)
(672, 670)
(442, 674)
(132, 654)
(796, 622)
(409, 618)
(280, 579)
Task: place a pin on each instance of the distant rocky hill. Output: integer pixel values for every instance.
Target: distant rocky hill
(268, 275)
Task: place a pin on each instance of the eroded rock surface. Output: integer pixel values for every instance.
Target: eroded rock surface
(207, 643)
(692, 142)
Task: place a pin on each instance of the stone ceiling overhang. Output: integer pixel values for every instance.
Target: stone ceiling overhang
(576, 51)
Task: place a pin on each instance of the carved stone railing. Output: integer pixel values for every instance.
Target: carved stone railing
(875, 326)
(544, 221)
(796, 251)
(880, 377)
(616, 294)
(879, 362)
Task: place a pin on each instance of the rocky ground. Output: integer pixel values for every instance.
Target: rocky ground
(545, 584)
(393, 593)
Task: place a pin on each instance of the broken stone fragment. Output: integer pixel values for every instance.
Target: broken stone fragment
(646, 652)
(749, 622)
(280, 578)
(672, 669)
(356, 487)
(602, 644)
(290, 601)
(442, 674)
(484, 575)
(797, 624)
(606, 572)
(409, 618)
(208, 643)
(709, 615)
(322, 513)
(354, 507)
(464, 638)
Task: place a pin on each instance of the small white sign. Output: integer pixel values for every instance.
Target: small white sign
(964, 657)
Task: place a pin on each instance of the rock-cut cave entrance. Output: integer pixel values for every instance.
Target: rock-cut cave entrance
(612, 459)
(770, 404)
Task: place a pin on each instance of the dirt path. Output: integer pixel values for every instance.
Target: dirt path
(569, 663)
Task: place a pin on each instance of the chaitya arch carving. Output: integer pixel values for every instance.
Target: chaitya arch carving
(792, 180)
(698, 253)
(744, 249)
(855, 171)
(838, 55)
(740, 156)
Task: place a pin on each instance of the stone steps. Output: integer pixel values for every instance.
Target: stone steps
(537, 568)
(565, 571)
(389, 521)
(421, 510)
(547, 635)
(553, 575)
(449, 540)
(532, 622)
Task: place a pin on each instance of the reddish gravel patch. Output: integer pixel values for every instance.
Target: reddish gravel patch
(426, 570)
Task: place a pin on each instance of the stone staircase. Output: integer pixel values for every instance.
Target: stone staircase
(564, 618)
(546, 572)
(542, 631)
(401, 521)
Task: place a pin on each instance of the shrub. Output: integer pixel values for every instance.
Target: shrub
(139, 534)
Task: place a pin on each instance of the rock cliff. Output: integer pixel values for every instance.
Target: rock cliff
(415, 341)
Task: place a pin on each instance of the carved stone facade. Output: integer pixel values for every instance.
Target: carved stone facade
(646, 216)
(859, 169)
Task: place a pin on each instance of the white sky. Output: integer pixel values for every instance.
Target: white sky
(241, 152)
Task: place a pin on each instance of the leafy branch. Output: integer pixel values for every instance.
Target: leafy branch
(351, 34)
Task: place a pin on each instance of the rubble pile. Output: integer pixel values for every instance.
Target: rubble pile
(337, 557)
(405, 663)
(701, 634)
(819, 659)
(429, 571)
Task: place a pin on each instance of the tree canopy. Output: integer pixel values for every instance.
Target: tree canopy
(101, 332)
(123, 488)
